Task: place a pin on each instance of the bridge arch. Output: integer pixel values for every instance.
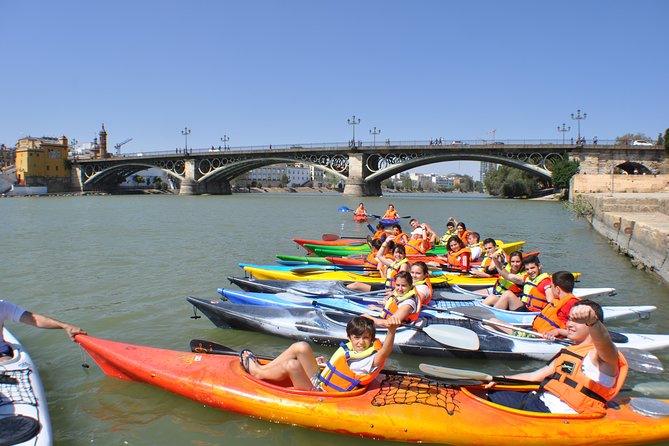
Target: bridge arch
(99, 174)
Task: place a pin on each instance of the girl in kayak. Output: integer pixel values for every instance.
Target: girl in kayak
(354, 364)
(459, 255)
(360, 213)
(404, 303)
(391, 267)
(391, 213)
(421, 281)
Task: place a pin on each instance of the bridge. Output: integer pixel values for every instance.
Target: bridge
(363, 166)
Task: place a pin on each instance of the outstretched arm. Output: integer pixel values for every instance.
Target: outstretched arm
(39, 321)
(515, 278)
(381, 356)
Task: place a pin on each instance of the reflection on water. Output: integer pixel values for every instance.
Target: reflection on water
(122, 267)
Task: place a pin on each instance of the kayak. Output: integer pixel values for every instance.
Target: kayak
(363, 248)
(396, 406)
(302, 260)
(360, 218)
(274, 272)
(24, 415)
(328, 327)
(361, 303)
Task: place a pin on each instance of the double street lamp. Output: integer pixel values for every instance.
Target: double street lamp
(352, 121)
(563, 130)
(578, 118)
(186, 132)
(225, 139)
(374, 132)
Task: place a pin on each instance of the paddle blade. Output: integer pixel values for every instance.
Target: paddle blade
(329, 237)
(448, 373)
(453, 336)
(203, 346)
(344, 209)
(642, 361)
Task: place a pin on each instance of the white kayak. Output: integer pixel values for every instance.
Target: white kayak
(24, 415)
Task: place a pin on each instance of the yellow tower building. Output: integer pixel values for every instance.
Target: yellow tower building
(39, 160)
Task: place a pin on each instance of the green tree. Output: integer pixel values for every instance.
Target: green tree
(466, 184)
(660, 140)
(562, 171)
(628, 138)
(407, 185)
(666, 140)
(138, 179)
(509, 182)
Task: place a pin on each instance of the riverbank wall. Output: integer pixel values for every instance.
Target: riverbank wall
(634, 218)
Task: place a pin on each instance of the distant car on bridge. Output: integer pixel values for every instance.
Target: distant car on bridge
(642, 142)
(458, 143)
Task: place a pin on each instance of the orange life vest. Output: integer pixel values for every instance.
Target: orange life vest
(392, 271)
(360, 212)
(548, 319)
(371, 261)
(533, 299)
(464, 235)
(460, 259)
(393, 304)
(417, 246)
(380, 234)
(424, 299)
(390, 215)
(577, 390)
(337, 375)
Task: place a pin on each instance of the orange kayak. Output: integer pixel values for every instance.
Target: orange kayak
(396, 406)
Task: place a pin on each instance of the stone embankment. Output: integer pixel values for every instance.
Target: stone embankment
(635, 223)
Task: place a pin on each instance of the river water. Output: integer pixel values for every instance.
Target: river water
(122, 266)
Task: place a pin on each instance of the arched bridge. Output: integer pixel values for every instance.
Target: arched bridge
(363, 167)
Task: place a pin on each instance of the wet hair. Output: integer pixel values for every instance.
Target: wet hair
(489, 240)
(461, 244)
(359, 326)
(401, 249)
(406, 276)
(595, 307)
(565, 280)
(533, 259)
(422, 265)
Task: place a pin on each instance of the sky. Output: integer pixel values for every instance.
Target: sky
(293, 72)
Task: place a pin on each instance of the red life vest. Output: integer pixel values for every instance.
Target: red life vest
(569, 383)
(337, 375)
(549, 318)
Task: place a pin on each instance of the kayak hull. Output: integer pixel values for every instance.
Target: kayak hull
(393, 407)
(328, 327)
(23, 396)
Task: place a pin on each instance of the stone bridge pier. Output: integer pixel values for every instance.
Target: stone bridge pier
(356, 186)
(191, 186)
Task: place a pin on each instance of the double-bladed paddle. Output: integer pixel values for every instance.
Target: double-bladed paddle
(461, 374)
(447, 335)
(639, 360)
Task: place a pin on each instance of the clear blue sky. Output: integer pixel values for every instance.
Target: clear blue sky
(271, 72)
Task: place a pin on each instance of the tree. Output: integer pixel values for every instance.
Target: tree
(510, 183)
(406, 183)
(138, 179)
(666, 140)
(466, 184)
(562, 171)
(660, 140)
(628, 138)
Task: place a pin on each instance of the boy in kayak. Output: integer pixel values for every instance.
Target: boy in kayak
(581, 378)
(391, 213)
(12, 312)
(536, 287)
(354, 364)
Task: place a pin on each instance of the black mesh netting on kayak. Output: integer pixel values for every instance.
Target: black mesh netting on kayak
(15, 388)
(416, 390)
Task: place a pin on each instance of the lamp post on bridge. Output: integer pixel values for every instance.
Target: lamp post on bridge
(374, 132)
(563, 130)
(186, 132)
(353, 122)
(578, 118)
(225, 140)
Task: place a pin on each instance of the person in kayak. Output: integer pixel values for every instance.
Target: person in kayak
(396, 235)
(355, 364)
(450, 231)
(536, 287)
(459, 254)
(581, 378)
(404, 302)
(419, 243)
(360, 212)
(473, 241)
(371, 266)
(514, 266)
(421, 281)
(487, 268)
(12, 312)
(391, 267)
(391, 213)
(462, 231)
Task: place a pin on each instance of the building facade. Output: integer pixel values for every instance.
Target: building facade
(43, 162)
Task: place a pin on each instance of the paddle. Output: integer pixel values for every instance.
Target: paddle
(334, 237)
(639, 360)
(461, 374)
(448, 335)
(212, 348)
(345, 209)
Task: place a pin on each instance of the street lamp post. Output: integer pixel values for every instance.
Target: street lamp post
(225, 139)
(353, 122)
(186, 132)
(373, 132)
(578, 118)
(563, 130)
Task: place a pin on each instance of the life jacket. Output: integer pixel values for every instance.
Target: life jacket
(460, 259)
(569, 383)
(371, 261)
(337, 375)
(503, 284)
(424, 300)
(402, 238)
(464, 235)
(392, 271)
(417, 246)
(380, 234)
(548, 318)
(360, 212)
(533, 299)
(390, 215)
(447, 235)
(393, 304)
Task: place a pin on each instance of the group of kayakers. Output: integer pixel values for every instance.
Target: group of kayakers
(580, 379)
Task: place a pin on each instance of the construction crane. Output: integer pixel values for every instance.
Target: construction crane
(118, 146)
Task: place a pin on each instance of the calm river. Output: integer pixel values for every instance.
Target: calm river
(122, 266)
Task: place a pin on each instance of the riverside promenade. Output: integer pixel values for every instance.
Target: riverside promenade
(635, 223)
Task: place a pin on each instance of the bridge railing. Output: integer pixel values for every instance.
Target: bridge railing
(436, 142)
